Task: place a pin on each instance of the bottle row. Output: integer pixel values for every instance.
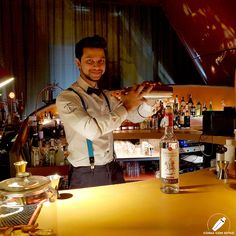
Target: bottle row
(188, 106)
(47, 143)
(48, 153)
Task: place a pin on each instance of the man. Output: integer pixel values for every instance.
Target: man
(90, 116)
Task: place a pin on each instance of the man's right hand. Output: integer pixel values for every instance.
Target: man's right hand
(135, 97)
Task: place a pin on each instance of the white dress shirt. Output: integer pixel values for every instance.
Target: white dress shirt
(96, 124)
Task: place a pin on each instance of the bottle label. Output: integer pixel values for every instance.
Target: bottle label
(169, 165)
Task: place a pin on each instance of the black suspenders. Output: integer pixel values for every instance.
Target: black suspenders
(82, 100)
(89, 142)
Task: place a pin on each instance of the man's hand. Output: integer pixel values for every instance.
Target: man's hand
(134, 97)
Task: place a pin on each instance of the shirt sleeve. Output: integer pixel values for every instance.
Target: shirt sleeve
(76, 119)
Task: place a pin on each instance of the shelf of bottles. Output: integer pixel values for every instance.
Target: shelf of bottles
(47, 146)
(186, 114)
(185, 110)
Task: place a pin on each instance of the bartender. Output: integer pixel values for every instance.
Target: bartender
(90, 115)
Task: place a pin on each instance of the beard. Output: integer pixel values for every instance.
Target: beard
(86, 76)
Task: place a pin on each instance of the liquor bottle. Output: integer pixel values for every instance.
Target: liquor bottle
(169, 157)
(187, 119)
(198, 109)
(193, 110)
(2, 115)
(190, 102)
(176, 105)
(183, 103)
(181, 117)
(35, 151)
(52, 152)
(59, 156)
(204, 108)
(210, 106)
(46, 153)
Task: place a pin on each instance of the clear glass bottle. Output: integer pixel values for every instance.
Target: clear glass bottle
(199, 109)
(52, 152)
(190, 102)
(35, 151)
(210, 106)
(169, 157)
(204, 108)
(176, 105)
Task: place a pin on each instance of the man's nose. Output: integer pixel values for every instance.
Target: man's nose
(96, 64)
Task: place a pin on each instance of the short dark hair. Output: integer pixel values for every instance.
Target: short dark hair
(90, 42)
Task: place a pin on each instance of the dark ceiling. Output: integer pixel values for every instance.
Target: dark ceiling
(206, 28)
(122, 2)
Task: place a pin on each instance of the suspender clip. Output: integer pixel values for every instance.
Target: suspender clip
(91, 160)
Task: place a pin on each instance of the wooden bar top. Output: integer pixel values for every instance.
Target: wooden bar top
(140, 208)
(186, 134)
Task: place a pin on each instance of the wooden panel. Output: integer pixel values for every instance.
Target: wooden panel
(49, 170)
(216, 94)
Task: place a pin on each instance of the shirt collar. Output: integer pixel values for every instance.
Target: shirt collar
(82, 84)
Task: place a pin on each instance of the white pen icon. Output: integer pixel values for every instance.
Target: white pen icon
(219, 223)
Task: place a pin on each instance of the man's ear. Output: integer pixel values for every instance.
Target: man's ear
(77, 63)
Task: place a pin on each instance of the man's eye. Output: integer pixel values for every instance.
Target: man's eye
(101, 62)
(89, 61)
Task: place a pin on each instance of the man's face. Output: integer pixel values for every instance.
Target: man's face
(93, 63)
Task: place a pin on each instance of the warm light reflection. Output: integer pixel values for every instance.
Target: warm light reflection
(213, 69)
(5, 82)
(186, 10)
(213, 27)
(228, 30)
(12, 95)
(220, 58)
(201, 11)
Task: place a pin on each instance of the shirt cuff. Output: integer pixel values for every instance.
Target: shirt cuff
(121, 112)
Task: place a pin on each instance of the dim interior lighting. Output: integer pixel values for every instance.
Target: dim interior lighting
(5, 82)
(213, 69)
(12, 95)
(5, 77)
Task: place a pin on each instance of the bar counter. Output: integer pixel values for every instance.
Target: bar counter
(140, 208)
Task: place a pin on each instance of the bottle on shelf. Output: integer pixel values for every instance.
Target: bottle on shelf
(190, 102)
(193, 110)
(176, 105)
(52, 152)
(187, 120)
(45, 152)
(182, 103)
(210, 106)
(204, 108)
(181, 118)
(198, 109)
(223, 104)
(35, 151)
(2, 114)
(169, 157)
(59, 156)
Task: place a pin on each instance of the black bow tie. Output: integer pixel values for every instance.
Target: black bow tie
(94, 90)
